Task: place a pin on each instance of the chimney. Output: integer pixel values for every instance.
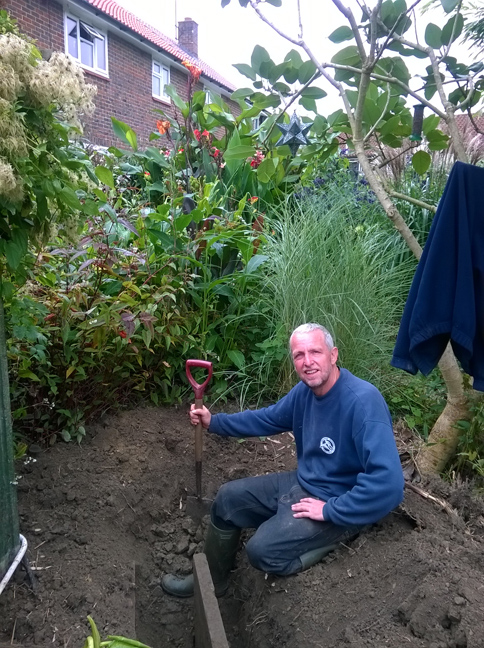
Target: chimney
(188, 36)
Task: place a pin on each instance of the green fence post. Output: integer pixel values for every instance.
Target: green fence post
(9, 529)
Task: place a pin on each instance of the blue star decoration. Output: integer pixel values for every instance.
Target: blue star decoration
(294, 133)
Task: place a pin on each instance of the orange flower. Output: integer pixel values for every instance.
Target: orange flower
(253, 199)
(195, 71)
(163, 125)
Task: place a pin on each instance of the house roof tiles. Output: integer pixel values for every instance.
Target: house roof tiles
(154, 36)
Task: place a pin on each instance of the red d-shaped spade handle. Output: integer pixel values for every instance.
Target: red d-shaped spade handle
(198, 389)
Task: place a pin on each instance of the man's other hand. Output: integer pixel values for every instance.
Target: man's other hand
(310, 508)
(200, 415)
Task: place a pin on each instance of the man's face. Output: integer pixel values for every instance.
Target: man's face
(315, 364)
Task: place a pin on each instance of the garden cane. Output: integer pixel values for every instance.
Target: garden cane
(198, 506)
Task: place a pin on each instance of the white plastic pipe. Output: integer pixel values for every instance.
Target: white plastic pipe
(15, 564)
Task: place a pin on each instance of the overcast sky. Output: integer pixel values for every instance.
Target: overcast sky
(227, 36)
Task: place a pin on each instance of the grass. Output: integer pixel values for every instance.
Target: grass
(332, 263)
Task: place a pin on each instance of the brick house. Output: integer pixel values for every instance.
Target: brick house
(128, 60)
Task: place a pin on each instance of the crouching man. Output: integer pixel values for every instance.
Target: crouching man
(348, 470)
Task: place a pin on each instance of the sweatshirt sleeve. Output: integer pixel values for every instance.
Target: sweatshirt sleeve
(378, 488)
(266, 421)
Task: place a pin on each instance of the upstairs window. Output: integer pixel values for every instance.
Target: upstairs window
(87, 45)
(160, 79)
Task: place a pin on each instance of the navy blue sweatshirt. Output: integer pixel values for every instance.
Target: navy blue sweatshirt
(346, 450)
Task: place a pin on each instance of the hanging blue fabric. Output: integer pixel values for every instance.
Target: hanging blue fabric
(446, 299)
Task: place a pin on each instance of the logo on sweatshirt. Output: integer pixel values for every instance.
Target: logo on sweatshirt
(327, 445)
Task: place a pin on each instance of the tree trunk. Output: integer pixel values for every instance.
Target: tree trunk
(444, 436)
(9, 530)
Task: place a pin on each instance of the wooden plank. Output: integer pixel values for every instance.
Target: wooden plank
(208, 627)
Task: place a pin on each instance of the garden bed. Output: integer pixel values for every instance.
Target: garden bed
(104, 520)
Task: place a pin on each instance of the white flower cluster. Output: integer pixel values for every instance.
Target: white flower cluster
(10, 185)
(27, 81)
(61, 81)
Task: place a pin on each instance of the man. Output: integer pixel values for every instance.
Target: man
(348, 475)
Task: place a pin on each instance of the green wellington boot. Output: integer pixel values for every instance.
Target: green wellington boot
(314, 556)
(220, 549)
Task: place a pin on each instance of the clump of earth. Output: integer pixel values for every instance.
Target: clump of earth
(106, 519)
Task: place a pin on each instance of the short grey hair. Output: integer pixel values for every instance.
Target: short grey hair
(312, 326)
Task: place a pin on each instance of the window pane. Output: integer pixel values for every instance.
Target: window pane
(87, 53)
(71, 26)
(156, 87)
(72, 46)
(85, 34)
(166, 76)
(100, 45)
(72, 37)
(90, 30)
(156, 68)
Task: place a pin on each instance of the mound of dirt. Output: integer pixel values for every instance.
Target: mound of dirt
(104, 521)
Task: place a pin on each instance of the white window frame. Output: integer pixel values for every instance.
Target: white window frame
(97, 35)
(164, 69)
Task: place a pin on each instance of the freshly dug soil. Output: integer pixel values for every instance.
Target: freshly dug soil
(104, 521)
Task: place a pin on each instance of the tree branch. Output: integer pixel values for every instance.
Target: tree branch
(414, 201)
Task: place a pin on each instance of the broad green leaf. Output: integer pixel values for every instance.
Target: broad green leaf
(389, 126)
(13, 254)
(448, 30)
(132, 139)
(239, 152)
(265, 170)
(121, 129)
(313, 93)
(282, 88)
(276, 72)
(69, 197)
(430, 123)
(266, 101)
(105, 175)
(237, 358)
(421, 162)
(449, 5)
(306, 71)
(241, 93)
(291, 73)
(100, 194)
(246, 70)
(308, 103)
(433, 36)
(266, 69)
(175, 97)
(347, 56)
(294, 58)
(6, 290)
(341, 34)
(259, 55)
(255, 262)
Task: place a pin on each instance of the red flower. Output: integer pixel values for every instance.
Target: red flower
(197, 134)
(253, 199)
(256, 160)
(205, 133)
(163, 125)
(123, 334)
(195, 71)
(147, 174)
